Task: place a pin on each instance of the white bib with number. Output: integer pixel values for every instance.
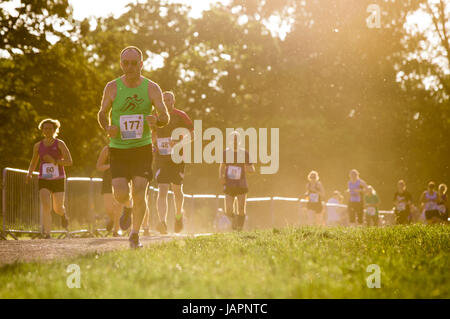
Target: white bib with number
(164, 145)
(234, 172)
(314, 197)
(49, 171)
(401, 206)
(131, 126)
(371, 211)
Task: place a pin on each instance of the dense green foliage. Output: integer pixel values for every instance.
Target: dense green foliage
(308, 262)
(331, 85)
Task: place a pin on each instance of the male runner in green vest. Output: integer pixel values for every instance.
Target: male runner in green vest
(125, 115)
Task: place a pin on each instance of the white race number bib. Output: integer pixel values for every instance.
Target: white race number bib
(49, 171)
(131, 126)
(401, 206)
(314, 197)
(164, 145)
(234, 172)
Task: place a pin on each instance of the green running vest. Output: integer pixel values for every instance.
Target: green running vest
(129, 109)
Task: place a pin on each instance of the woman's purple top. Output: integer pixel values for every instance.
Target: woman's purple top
(49, 170)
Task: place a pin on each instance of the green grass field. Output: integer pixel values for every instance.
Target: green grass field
(305, 262)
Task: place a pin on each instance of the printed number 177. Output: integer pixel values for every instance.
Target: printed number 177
(131, 125)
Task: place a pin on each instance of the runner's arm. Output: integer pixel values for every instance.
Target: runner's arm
(250, 168)
(156, 96)
(307, 190)
(102, 164)
(105, 108)
(363, 188)
(422, 198)
(67, 158)
(154, 140)
(34, 160)
(222, 172)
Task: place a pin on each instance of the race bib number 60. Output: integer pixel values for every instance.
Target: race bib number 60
(314, 197)
(131, 126)
(234, 172)
(49, 170)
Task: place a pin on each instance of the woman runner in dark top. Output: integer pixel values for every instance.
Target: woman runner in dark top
(232, 174)
(53, 155)
(402, 204)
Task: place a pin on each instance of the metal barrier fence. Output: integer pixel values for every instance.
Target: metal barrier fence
(84, 208)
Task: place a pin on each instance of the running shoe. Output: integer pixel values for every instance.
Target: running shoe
(178, 224)
(125, 219)
(64, 221)
(162, 228)
(134, 241)
(116, 234)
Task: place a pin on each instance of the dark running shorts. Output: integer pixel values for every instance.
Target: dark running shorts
(402, 217)
(235, 191)
(169, 172)
(355, 209)
(53, 185)
(107, 182)
(132, 162)
(316, 207)
(430, 214)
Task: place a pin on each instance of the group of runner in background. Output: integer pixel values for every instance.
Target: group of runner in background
(138, 133)
(363, 204)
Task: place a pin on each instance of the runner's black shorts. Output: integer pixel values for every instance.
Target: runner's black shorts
(355, 210)
(53, 185)
(430, 214)
(315, 206)
(234, 191)
(168, 172)
(401, 217)
(131, 162)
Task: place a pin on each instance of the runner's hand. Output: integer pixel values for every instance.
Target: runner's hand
(222, 180)
(29, 176)
(112, 130)
(172, 143)
(151, 120)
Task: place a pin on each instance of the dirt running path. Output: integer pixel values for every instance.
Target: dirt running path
(45, 250)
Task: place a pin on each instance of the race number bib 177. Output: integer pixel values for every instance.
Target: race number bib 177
(164, 145)
(234, 172)
(131, 126)
(371, 211)
(49, 170)
(314, 197)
